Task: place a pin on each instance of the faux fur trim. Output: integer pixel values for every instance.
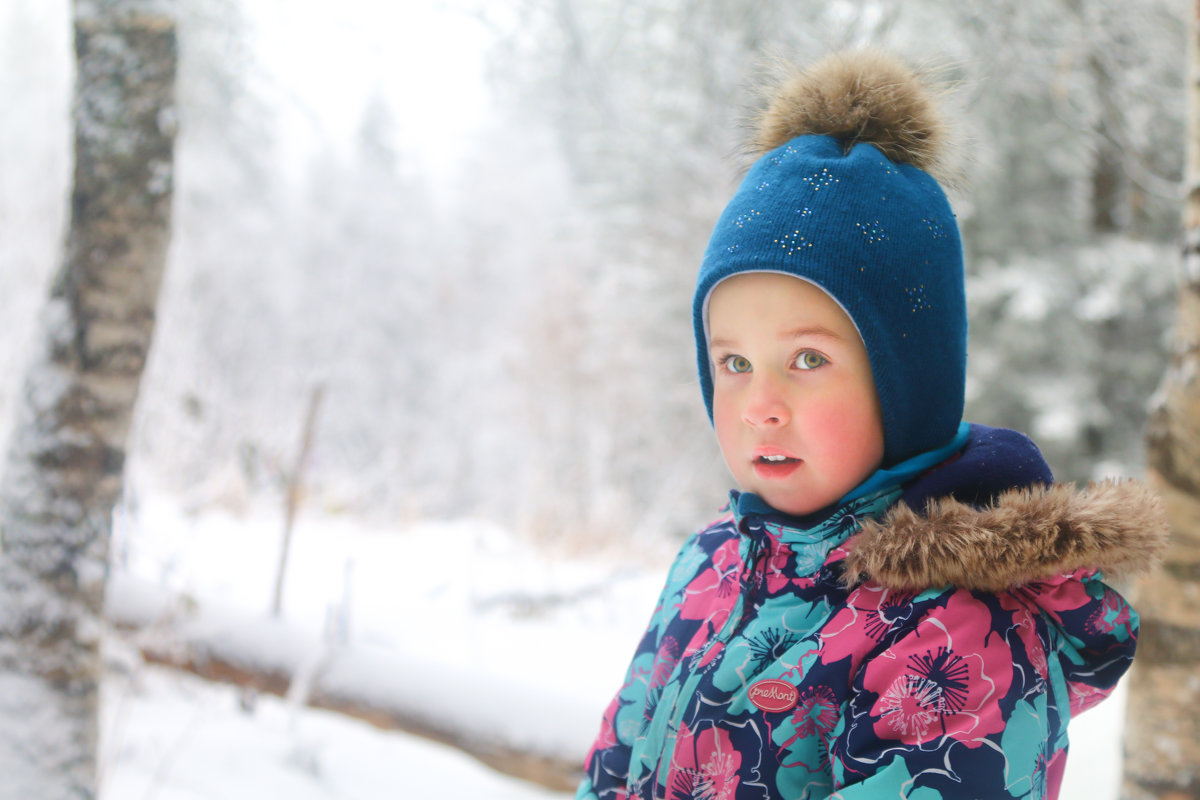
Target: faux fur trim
(1027, 535)
(864, 96)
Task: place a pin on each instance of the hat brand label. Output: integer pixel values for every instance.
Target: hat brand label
(773, 694)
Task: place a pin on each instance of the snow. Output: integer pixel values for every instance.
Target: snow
(172, 736)
(458, 620)
(444, 599)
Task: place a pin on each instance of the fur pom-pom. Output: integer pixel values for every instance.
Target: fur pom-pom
(863, 96)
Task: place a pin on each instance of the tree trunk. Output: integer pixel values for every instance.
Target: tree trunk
(1108, 181)
(64, 465)
(1162, 737)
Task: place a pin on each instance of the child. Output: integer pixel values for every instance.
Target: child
(898, 604)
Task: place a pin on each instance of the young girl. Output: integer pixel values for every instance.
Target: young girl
(897, 604)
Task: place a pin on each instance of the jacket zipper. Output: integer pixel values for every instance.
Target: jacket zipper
(728, 631)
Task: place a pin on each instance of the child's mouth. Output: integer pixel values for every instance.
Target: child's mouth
(775, 467)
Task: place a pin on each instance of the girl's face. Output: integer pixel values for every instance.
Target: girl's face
(794, 403)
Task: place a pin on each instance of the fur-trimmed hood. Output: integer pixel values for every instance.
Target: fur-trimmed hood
(1023, 535)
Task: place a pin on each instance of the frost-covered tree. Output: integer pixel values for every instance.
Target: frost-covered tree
(1070, 211)
(293, 266)
(226, 239)
(1162, 738)
(63, 472)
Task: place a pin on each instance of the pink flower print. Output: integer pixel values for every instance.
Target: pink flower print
(664, 662)
(704, 765)
(871, 612)
(945, 678)
(910, 705)
(608, 735)
(1112, 614)
(948, 672)
(719, 776)
(894, 608)
(1035, 650)
(1026, 629)
(1083, 696)
(710, 655)
(816, 713)
(778, 570)
(1062, 593)
(712, 593)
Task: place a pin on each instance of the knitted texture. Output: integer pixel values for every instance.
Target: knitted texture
(881, 239)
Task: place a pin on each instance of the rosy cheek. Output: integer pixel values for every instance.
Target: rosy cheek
(725, 421)
(848, 430)
(832, 417)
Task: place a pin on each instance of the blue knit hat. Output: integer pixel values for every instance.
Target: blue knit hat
(842, 196)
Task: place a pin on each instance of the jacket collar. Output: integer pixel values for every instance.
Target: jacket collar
(829, 527)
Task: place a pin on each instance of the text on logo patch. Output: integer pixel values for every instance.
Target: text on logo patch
(774, 695)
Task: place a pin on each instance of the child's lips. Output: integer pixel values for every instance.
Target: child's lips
(771, 464)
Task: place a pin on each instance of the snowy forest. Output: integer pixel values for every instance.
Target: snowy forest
(454, 242)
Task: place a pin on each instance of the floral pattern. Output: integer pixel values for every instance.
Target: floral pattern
(706, 766)
(941, 693)
(945, 678)
(928, 680)
(816, 713)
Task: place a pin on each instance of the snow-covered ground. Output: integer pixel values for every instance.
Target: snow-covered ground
(523, 643)
(171, 736)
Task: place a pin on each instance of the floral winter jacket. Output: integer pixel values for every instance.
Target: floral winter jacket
(917, 656)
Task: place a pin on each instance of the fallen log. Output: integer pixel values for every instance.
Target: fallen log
(267, 656)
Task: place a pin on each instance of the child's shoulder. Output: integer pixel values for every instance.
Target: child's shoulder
(716, 540)
(1021, 580)
(1071, 634)
(713, 535)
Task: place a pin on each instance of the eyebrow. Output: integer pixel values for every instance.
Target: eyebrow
(799, 333)
(813, 330)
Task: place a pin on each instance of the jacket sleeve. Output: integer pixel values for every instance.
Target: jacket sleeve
(606, 769)
(960, 704)
(1092, 634)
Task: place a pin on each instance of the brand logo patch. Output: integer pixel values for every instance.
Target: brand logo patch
(773, 694)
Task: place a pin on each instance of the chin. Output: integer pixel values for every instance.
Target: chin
(797, 507)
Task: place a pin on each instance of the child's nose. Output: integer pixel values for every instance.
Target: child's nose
(765, 405)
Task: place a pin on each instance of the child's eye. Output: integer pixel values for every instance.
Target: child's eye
(810, 360)
(738, 364)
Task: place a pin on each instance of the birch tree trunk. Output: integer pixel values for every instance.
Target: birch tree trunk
(63, 472)
(1162, 735)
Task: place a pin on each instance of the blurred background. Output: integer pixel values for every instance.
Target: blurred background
(474, 227)
(477, 225)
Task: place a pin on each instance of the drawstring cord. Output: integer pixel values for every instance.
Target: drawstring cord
(751, 579)
(754, 570)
